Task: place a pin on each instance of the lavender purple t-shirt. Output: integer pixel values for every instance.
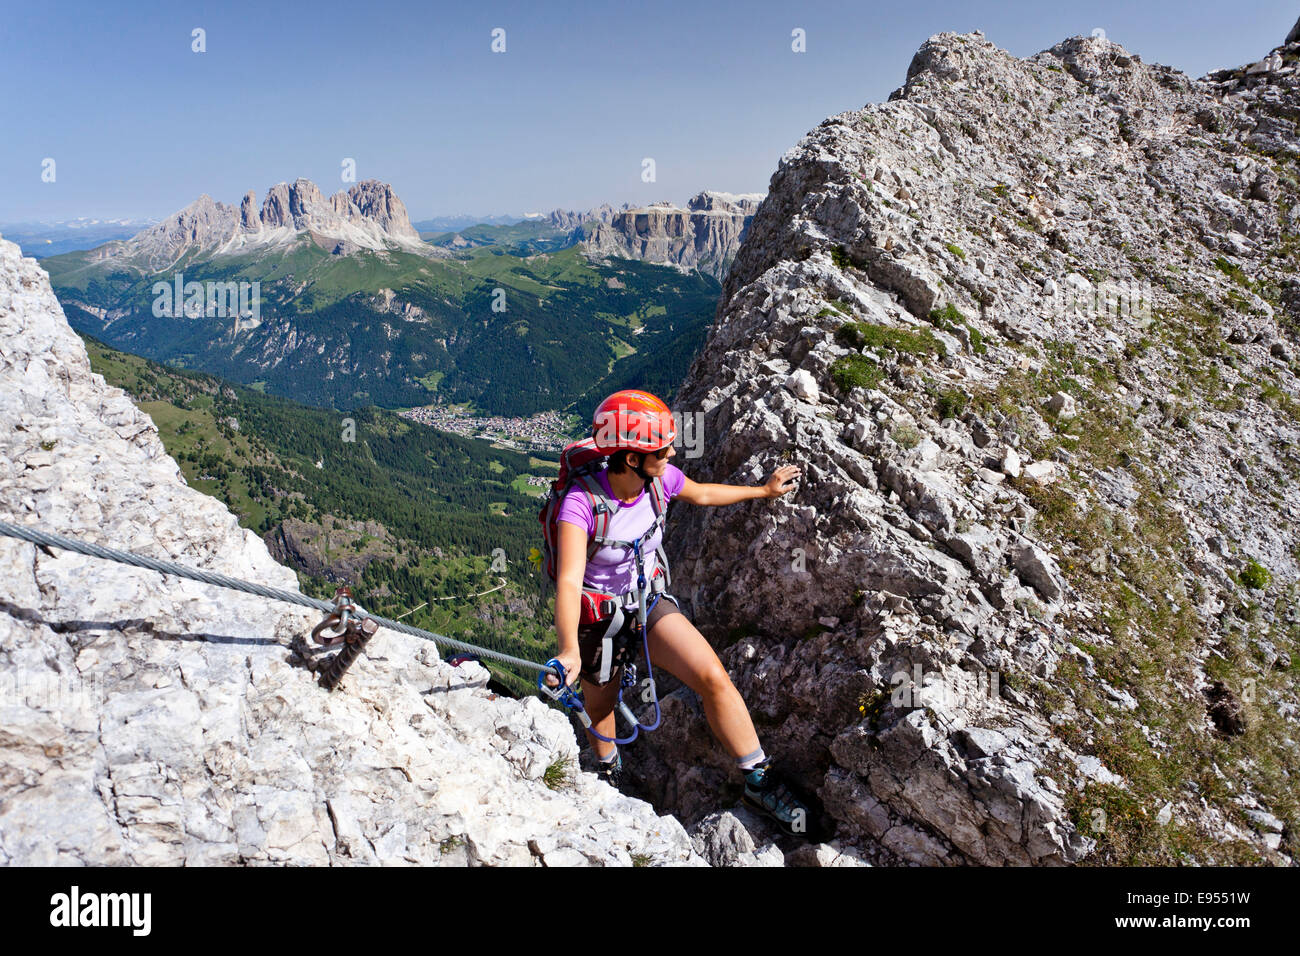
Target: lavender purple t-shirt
(612, 570)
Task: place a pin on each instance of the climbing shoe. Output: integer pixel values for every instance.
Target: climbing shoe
(769, 794)
(612, 772)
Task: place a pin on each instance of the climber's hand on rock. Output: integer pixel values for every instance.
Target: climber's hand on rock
(782, 481)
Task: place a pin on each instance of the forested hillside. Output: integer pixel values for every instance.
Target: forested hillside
(507, 334)
(404, 513)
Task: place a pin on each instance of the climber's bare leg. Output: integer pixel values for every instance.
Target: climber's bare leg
(681, 650)
(599, 703)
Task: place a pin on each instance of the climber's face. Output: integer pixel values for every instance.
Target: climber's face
(656, 462)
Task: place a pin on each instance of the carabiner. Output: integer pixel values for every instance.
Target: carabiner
(562, 694)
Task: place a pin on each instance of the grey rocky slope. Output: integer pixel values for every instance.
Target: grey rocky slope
(367, 215)
(149, 720)
(1033, 601)
(704, 235)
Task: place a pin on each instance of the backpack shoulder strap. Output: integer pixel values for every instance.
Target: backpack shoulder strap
(602, 509)
(657, 498)
(659, 501)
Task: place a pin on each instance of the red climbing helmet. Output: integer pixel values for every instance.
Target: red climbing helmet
(632, 420)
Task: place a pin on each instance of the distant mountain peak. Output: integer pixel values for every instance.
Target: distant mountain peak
(707, 200)
(713, 200)
(368, 215)
(704, 234)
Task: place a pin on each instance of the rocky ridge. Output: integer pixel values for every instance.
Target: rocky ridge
(1029, 329)
(148, 720)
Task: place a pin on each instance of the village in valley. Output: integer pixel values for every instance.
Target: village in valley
(545, 431)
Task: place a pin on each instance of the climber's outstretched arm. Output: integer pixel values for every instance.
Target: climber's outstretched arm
(779, 483)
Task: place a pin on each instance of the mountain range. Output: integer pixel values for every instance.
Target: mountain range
(353, 308)
(703, 235)
(366, 216)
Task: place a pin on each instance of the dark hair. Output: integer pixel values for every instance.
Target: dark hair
(618, 461)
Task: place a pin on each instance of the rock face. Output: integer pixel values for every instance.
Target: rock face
(989, 616)
(705, 235)
(148, 720)
(368, 215)
(569, 219)
(308, 545)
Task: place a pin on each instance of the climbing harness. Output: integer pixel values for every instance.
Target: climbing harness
(580, 462)
(572, 701)
(346, 623)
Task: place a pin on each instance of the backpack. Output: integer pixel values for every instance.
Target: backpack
(580, 464)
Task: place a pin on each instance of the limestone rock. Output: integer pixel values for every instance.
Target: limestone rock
(1040, 471)
(1037, 568)
(1063, 405)
(156, 721)
(804, 385)
(1028, 203)
(724, 840)
(704, 235)
(1011, 463)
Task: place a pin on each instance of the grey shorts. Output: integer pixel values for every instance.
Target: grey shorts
(626, 646)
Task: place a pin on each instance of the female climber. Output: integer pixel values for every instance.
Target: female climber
(636, 430)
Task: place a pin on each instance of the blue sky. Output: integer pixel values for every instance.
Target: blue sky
(140, 125)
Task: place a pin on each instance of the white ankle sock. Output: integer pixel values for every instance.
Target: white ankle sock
(750, 761)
